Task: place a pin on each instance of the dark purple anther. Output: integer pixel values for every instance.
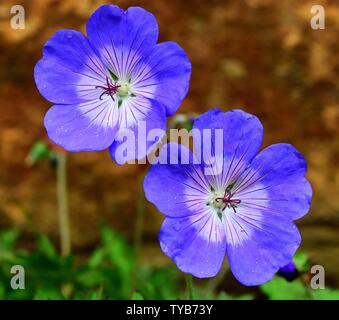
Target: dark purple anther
(228, 201)
(110, 90)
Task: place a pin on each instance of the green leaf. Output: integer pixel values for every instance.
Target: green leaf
(48, 294)
(46, 247)
(158, 283)
(93, 296)
(38, 152)
(96, 258)
(203, 294)
(301, 262)
(8, 239)
(280, 289)
(137, 296)
(325, 294)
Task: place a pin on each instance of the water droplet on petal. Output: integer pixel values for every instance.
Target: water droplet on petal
(177, 227)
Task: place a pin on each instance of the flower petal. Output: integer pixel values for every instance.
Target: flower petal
(69, 69)
(177, 190)
(138, 119)
(164, 75)
(258, 246)
(279, 172)
(240, 139)
(89, 126)
(122, 37)
(196, 244)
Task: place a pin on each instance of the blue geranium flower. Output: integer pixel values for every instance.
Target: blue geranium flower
(289, 272)
(246, 210)
(110, 80)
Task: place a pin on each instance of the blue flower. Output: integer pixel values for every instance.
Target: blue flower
(110, 80)
(289, 271)
(246, 210)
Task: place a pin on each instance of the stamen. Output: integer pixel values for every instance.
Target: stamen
(110, 90)
(226, 201)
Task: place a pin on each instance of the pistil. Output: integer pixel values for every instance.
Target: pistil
(111, 89)
(227, 202)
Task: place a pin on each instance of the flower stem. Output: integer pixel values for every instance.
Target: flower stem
(64, 224)
(189, 286)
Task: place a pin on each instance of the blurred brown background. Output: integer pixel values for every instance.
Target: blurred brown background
(260, 55)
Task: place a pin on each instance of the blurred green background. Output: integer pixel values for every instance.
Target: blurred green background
(259, 55)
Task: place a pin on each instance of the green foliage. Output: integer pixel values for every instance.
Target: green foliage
(106, 274)
(159, 283)
(201, 294)
(301, 262)
(110, 272)
(38, 152)
(280, 289)
(7, 242)
(137, 296)
(325, 294)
